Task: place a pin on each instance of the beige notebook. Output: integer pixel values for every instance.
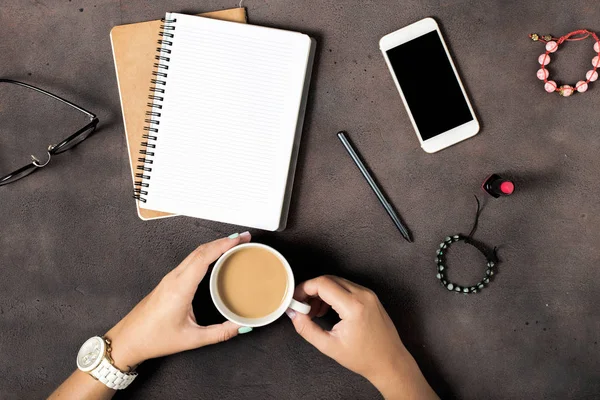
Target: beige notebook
(134, 50)
(226, 117)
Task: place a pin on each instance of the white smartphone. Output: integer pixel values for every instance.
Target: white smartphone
(429, 85)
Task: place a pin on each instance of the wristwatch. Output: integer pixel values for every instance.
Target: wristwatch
(94, 358)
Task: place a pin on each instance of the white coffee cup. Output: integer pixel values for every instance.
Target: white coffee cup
(288, 301)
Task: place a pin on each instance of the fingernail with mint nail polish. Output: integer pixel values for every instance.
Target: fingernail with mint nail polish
(244, 329)
(290, 313)
(234, 236)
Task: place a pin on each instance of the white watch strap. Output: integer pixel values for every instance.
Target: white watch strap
(111, 376)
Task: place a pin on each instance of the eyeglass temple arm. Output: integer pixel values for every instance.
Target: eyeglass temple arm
(75, 106)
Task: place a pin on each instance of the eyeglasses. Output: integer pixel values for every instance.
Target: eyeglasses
(56, 149)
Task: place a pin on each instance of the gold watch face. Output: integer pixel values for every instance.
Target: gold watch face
(90, 354)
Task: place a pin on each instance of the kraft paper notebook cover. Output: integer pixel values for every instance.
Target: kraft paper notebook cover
(225, 120)
(134, 49)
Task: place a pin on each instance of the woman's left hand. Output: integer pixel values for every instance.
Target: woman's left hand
(163, 322)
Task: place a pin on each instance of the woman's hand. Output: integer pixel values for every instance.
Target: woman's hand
(163, 322)
(364, 341)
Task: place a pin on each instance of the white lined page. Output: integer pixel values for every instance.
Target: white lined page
(228, 121)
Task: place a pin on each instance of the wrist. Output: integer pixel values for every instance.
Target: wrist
(401, 379)
(385, 376)
(123, 353)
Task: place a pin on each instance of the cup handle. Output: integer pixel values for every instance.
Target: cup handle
(302, 308)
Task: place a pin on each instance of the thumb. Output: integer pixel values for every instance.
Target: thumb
(310, 331)
(213, 334)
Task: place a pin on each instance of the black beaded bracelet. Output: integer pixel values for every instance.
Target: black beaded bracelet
(440, 261)
(441, 265)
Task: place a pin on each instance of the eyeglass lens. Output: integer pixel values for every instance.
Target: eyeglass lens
(74, 140)
(15, 176)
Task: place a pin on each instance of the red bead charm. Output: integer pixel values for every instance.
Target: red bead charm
(581, 86)
(550, 86)
(565, 90)
(544, 59)
(551, 46)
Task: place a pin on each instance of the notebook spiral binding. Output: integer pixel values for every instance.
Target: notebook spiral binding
(153, 114)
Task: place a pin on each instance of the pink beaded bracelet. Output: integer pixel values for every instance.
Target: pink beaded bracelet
(552, 44)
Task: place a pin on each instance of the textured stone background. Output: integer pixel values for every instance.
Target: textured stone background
(75, 258)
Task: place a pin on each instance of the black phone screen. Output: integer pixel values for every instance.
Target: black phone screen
(429, 84)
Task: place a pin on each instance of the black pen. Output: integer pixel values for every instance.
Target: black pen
(384, 202)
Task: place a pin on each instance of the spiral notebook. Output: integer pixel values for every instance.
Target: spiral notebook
(134, 49)
(225, 121)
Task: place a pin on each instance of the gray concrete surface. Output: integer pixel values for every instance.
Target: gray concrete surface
(74, 257)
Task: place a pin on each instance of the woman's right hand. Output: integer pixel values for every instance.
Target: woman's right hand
(364, 341)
